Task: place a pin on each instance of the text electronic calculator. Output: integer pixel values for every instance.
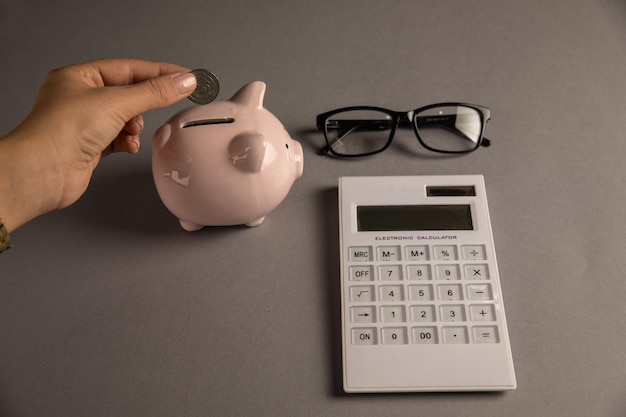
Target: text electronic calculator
(422, 307)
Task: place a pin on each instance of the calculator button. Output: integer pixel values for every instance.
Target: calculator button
(479, 292)
(452, 313)
(474, 252)
(391, 293)
(445, 253)
(394, 336)
(388, 253)
(478, 271)
(448, 272)
(390, 273)
(392, 314)
(360, 253)
(482, 312)
(364, 336)
(363, 314)
(418, 272)
(423, 313)
(417, 253)
(361, 294)
(424, 335)
(485, 334)
(450, 292)
(420, 292)
(362, 273)
(455, 335)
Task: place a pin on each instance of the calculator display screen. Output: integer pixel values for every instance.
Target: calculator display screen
(414, 217)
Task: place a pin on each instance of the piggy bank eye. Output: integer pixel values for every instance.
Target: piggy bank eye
(287, 145)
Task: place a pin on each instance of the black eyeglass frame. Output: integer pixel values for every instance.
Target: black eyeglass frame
(400, 118)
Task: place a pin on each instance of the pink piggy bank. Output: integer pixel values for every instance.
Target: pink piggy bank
(225, 163)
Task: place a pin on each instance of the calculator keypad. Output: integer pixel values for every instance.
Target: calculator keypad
(421, 294)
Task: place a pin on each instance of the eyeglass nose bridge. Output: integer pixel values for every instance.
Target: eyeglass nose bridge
(406, 117)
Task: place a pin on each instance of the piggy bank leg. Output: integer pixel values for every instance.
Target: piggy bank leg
(190, 227)
(256, 222)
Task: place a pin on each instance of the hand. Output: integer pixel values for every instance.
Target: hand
(82, 113)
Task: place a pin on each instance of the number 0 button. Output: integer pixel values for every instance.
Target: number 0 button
(394, 336)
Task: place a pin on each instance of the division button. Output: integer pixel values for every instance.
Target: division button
(473, 252)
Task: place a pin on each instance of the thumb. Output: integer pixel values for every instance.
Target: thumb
(158, 92)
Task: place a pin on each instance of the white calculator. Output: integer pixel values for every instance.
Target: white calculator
(422, 307)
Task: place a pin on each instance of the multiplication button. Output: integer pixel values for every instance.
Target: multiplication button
(477, 271)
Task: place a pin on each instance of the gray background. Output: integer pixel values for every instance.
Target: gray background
(108, 308)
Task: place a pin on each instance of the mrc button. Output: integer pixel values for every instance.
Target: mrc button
(360, 253)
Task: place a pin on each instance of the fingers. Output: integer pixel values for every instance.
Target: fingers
(141, 85)
(154, 93)
(134, 126)
(128, 140)
(118, 72)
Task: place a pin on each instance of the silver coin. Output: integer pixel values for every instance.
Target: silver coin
(207, 87)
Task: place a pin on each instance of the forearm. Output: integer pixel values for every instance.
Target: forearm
(22, 183)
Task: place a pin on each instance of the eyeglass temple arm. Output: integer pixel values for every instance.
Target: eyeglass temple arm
(365, 124)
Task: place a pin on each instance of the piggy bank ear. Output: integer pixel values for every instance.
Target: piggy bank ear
(251, 94)
(247, 152)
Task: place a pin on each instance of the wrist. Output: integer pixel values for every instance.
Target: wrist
(5, 241)
(21, 186)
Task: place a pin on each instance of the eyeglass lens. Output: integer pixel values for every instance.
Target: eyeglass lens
(449, 128)
(359, 132)
(444, 128)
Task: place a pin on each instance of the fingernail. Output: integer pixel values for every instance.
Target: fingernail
(137, 143)
(184, 83)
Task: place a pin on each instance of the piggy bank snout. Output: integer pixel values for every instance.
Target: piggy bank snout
(298, 157)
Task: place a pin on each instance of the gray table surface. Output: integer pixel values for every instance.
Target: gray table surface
(108, 308)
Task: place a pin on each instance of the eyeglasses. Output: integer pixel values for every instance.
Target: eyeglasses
(365, 130)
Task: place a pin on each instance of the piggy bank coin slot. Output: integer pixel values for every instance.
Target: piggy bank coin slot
(205, 122)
